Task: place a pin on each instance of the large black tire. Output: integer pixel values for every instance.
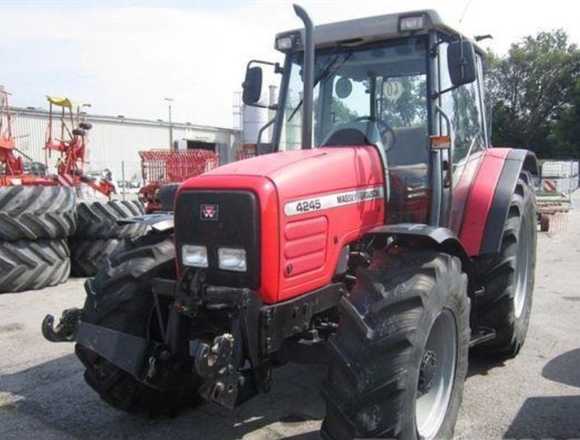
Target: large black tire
(120, 298)
(32, 265)
(35, 212)
(379, 351)
(98, 220)
(87, 256)
(508, 278)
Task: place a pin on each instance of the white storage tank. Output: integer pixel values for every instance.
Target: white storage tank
(254, 118)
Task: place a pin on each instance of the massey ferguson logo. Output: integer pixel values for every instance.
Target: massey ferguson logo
(209, 212)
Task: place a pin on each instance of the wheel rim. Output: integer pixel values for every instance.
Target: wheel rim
(522, 269)
(436, 376)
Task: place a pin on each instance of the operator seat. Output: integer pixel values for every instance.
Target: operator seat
(346, 136)
(410, 147)
(409, 174)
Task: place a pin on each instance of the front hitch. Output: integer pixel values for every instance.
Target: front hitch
(67, 328)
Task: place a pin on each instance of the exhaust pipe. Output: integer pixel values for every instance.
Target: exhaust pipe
(308, 77)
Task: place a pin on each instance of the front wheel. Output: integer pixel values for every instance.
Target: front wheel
(120, 298)
(400, 353)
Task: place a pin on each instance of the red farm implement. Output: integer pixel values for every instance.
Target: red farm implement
(160, 167)
(12, 170)
(66, 135)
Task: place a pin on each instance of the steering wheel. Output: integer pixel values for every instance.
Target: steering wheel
(387, 134)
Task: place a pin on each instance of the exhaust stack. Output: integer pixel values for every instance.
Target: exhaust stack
(308, 69)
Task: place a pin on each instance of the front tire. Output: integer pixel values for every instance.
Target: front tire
(402, 340)
(120, 298)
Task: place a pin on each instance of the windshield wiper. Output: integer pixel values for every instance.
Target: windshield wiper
(326, 72)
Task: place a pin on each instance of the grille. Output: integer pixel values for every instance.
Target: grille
(220, 219)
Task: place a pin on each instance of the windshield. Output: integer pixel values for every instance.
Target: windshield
(381, 85)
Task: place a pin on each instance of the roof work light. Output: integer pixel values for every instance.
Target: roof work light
(411, 23)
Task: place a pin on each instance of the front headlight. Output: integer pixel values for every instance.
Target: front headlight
(194, 256)
(232, 259)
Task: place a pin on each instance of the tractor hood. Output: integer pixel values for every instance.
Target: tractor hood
(293, 212)
(302, 172)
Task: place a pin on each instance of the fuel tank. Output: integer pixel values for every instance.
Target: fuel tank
(312, 203)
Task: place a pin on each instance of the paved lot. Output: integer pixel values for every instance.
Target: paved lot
(537, 395)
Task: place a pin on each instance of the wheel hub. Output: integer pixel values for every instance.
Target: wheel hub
(427, 372)
(436, 376)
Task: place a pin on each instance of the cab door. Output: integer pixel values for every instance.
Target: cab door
(464, 107)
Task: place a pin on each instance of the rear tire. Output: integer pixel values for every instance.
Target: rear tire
(32, 265)
(98, 220)
(87, 256)
(119, 297)
(509, 278)
(36, 212)
(384, 354)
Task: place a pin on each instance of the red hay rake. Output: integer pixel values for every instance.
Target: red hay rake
(160, 167)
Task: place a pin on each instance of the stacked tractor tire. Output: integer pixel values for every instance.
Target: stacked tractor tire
(98, 234)
(43, 232)
(35, 223)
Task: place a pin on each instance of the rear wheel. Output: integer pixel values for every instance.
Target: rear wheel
(400, 353)
(508, 278)
(119, 297)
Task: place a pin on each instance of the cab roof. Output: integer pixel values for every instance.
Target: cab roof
(369, 29)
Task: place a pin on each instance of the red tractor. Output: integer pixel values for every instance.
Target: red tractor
(377, 233)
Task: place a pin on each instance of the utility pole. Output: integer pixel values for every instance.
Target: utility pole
(169, 101)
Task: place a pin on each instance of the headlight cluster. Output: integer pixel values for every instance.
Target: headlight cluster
(194, 256)
(231, 259)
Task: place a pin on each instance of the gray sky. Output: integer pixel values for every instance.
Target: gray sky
(123, 57)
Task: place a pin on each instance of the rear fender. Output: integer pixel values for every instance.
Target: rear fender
(439, 238)
(488, 203)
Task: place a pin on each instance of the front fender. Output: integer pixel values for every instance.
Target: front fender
(488, 203)
(440, 238)
(160, 222)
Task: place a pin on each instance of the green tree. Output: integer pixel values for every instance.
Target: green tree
(531, 88)
(565, 137)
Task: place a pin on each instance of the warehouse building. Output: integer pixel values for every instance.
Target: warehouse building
(114, 141)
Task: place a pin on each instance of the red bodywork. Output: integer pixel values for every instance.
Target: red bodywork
(300, 252)
(480, 198)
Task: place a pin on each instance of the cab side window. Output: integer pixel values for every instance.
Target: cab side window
(463, 106)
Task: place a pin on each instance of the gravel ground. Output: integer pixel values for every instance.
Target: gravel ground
(537, 395)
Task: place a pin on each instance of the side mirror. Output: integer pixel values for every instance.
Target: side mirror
(252, 85)
(461, 62)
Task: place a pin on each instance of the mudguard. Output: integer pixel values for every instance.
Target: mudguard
(160, 222)
(440, 238)
(488, 203)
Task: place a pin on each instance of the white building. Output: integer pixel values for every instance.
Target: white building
(114, 142)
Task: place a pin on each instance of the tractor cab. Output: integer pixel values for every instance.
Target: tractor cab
(405, 83)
